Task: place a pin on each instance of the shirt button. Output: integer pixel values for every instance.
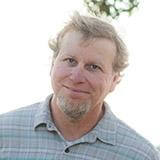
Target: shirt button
(67, 150)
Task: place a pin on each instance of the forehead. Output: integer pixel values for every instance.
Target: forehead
(74, 41)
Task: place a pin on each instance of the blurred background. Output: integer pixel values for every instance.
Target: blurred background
(25, 58)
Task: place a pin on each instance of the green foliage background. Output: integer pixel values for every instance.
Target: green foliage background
(111, 8)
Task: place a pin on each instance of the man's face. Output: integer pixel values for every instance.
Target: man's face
(82, 74)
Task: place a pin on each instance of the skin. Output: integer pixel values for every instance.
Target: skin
(81, 77)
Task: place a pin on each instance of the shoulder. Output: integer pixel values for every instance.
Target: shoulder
(129, 139)
(18, 117)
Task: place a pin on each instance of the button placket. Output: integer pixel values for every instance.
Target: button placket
(50, 127)
(66, 148)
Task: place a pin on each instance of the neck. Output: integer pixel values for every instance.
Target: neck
(74, 129)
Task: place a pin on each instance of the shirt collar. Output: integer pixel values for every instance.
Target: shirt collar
(43, 115)
(105, 130)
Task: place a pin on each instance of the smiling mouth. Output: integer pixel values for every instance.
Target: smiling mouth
(76, 90)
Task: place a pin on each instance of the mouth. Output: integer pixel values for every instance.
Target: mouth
(76, 90)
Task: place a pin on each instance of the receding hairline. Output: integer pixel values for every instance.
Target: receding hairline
(85, 40)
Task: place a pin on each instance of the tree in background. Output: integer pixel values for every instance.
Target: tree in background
(111, 8)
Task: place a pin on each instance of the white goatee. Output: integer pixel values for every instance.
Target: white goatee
(74, 110)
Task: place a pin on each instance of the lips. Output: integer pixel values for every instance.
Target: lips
(76, 90)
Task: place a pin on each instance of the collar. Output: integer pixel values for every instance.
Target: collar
(43, 115)
(105, 130)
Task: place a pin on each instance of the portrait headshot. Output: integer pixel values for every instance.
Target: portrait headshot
(75, 120)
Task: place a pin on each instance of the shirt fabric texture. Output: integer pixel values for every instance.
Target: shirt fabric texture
(29, 133)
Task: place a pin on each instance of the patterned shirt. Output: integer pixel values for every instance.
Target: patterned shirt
(29, 133)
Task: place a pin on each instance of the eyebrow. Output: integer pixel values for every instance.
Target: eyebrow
(66, 54)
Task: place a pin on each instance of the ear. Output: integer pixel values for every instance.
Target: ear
(115, 80)
(52, 65)
(51, 68)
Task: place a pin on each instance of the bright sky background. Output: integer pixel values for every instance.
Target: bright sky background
(26, 26)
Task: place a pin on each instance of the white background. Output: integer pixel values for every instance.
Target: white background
(26, 26)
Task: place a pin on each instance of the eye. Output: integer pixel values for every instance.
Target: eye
(93, 67)
(70, 61)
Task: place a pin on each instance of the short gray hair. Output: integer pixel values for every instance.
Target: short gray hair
(90, 28)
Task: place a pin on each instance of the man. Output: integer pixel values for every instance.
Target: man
(74, 123)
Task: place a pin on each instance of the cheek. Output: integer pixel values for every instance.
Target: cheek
(96, 83)
(100, 86)
(59, 71)
(58, 74)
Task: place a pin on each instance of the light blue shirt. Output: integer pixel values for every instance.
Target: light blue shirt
(30, 134)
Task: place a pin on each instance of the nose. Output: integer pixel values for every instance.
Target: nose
(77, 75)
